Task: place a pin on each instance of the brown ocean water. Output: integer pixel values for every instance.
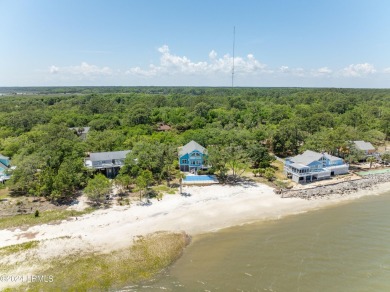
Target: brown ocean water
(340, 248)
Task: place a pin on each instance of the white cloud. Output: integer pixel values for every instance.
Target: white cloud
(213, 54)
(214, 69)
(84, 69)
(358, 70)
(292, 71)
(386, 70)
(284, 69)
(54, 69)
(173, 64)
(324, 70)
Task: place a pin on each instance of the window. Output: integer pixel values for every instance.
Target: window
(184, 161)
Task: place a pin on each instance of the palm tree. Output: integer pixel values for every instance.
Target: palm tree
(181, 176)
(371, 160)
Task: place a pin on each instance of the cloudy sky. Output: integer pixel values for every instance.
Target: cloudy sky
(324, 43)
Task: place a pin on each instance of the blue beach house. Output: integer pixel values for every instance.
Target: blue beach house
(310, 166)
(192, 157)
(4, 164)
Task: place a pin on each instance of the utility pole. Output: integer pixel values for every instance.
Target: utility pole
(234, 43)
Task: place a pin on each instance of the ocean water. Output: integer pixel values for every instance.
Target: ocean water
(340, 248)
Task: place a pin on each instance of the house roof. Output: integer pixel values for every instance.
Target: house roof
(309, 156)
(364, 146)
(191, 146)
(298, 166)
(99, 156)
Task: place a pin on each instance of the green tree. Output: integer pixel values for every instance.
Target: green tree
(269, 173)
(143, 181)
(259, 156)
(97, 188)
(237, 161)
(371, 160)
(386, 157)
(218, 157)
(122, 181)
(181, 176)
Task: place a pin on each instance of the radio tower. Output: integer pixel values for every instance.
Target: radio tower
(234, 43)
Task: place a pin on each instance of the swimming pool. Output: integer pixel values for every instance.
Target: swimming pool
(200, 179)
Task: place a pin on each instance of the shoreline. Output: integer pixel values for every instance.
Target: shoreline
(339, 188)
(205, 209)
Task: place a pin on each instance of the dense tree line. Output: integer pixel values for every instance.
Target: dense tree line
(247, 122)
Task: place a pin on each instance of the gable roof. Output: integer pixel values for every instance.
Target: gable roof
(364, 146)
(191, 146)
(99, 156)
(309, 156)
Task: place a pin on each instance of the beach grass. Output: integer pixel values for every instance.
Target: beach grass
(52, 216)
(165, 189)
(4, 193)
(15, 248)
(101, 272)
(279, 169)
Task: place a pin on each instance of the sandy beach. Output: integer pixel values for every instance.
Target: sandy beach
(204, 209)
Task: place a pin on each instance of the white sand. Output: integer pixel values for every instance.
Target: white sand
(207, 209)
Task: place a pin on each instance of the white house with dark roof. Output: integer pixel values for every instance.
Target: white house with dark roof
(107, 162)
(310, 166)
(192, 157)
(365, 147)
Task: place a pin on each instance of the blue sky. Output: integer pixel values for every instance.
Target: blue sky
(328, 43)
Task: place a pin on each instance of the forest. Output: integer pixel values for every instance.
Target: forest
(241, 127)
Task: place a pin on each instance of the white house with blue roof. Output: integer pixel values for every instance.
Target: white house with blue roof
(310, 166)
(192, 157)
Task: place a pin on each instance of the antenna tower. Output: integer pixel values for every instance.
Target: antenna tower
(234, 44)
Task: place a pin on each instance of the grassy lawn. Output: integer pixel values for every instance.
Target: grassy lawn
(103, 272)
(44, 217)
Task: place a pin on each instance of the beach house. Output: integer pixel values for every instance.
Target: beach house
(108, 163)
(4, 163)
(192, 157)
(310, 166)
(366, 147)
